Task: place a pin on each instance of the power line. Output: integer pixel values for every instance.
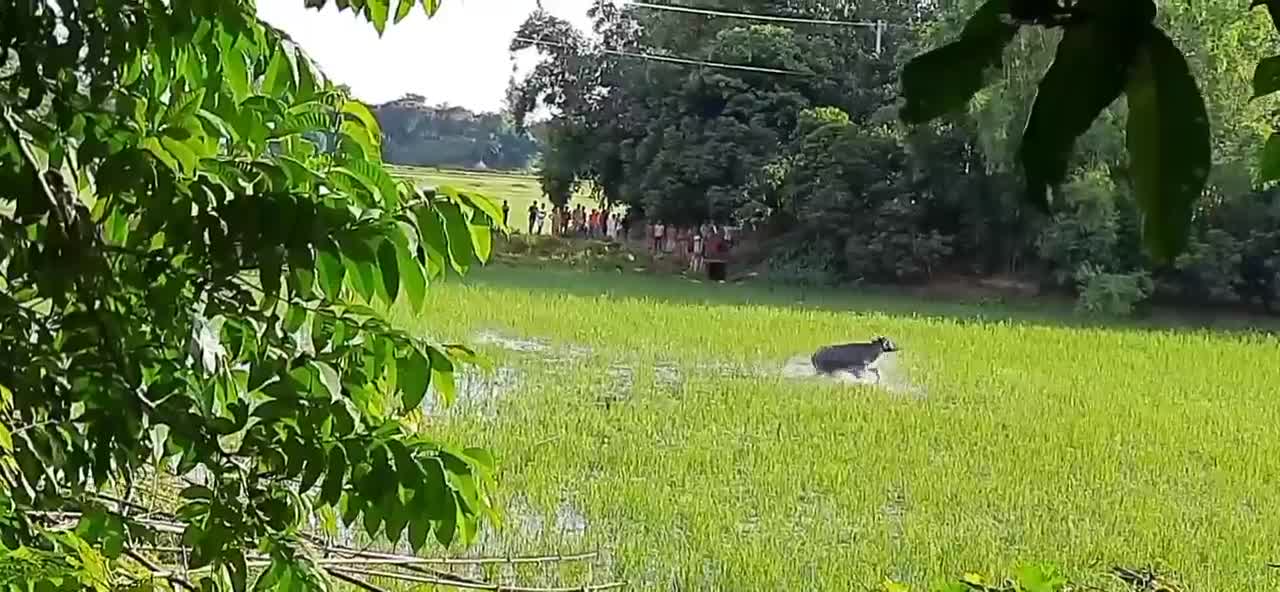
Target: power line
(877, 25)
(758, 17)
(674, 59)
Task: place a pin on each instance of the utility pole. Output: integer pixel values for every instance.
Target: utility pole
(879, 36)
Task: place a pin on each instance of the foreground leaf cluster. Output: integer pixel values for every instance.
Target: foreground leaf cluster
(197, 233)
(1107, 49)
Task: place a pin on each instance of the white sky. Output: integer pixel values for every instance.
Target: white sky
(458, 57)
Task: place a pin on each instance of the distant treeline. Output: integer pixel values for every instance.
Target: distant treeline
(415, 133)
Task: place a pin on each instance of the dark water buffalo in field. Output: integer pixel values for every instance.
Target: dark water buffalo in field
(856, 358)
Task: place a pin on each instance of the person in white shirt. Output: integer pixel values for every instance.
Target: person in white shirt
(695, 262)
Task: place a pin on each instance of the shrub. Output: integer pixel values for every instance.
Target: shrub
(1111, 293)
(807, 264)
(1260, 269)
(1086, 231)
(1210, 267)
(896, 256)
(896, 249)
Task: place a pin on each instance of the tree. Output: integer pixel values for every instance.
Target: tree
(1106, 49)
(417, 134)
(196, 232)
(683, 143)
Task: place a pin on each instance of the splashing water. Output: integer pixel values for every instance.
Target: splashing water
(510, 343)
(893, 376)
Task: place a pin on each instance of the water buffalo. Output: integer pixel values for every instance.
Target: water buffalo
(856, 358)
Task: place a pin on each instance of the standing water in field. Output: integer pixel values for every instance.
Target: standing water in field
(893, 375)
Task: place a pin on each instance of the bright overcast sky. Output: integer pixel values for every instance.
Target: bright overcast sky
(458, 57)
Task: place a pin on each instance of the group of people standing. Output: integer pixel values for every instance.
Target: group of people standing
(537, 216)
(577, 222)
(583, 224)
(697, 244)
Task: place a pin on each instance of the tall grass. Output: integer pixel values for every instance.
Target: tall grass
(654, 424)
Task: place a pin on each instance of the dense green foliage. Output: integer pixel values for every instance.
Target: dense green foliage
(820, 161)
(193, 222)
(683, 143)
(417, 134)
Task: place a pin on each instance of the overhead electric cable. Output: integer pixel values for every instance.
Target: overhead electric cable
(877, 25)
(757, 17)
(675, 59)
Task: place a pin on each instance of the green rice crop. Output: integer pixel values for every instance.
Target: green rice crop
(649, 418)
(518, 189)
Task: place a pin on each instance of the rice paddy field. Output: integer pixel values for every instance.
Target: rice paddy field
(661, 422)
(519, 189)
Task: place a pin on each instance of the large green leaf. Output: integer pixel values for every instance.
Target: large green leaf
(365, 117)
(412, 278)
(461, 248)
(184, 106)
(413, 376)
(377, 178)
(1266, 77)
(943, 80)
(334, 476)
(447, 527)
(302, 272)
(237, 570)
(154, 146)
(407, 469)
(1087, 75)
(442, 375)
(377, 11)
(435, 241)
(294, 318)
(309, 80)
(1168, 141)
(216, 126)
(388, 269)
(486, 205)
(330, 269)
(420, 520)
(362, 138)
(270, 269)
(356, 186)
(361, 263)
(396, 517)
(481, 236)
(235, 68)
(1269, 169)
(372, 519)
(314, 466)
(403, 8)
(279, 75)
(1038, 578)
(1273, 8)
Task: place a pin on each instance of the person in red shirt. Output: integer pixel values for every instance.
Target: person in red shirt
(715, 245)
